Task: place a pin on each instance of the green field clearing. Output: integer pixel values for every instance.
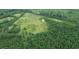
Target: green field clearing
(31, 23)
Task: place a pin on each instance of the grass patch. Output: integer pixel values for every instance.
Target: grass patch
(31, 23)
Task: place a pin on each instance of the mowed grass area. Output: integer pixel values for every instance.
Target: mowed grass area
(49, 29)
(31, 23)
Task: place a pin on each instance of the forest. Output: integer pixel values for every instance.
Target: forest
(39, 28)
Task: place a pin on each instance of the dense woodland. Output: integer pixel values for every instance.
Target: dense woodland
(62, 29)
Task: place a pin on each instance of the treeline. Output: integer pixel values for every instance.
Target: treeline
(10, 12)
(54, 13)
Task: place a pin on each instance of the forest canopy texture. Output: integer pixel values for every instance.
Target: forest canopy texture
(39, 28)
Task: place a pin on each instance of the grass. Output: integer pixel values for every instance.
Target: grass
(31, 23)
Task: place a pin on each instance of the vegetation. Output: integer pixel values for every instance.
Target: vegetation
(39, 28)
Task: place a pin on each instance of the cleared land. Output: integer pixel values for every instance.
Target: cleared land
(31, 23)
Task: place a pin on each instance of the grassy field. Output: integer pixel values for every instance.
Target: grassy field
(31, 23)
(39, 29)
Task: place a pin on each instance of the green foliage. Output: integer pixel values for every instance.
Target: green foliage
(63, 29)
